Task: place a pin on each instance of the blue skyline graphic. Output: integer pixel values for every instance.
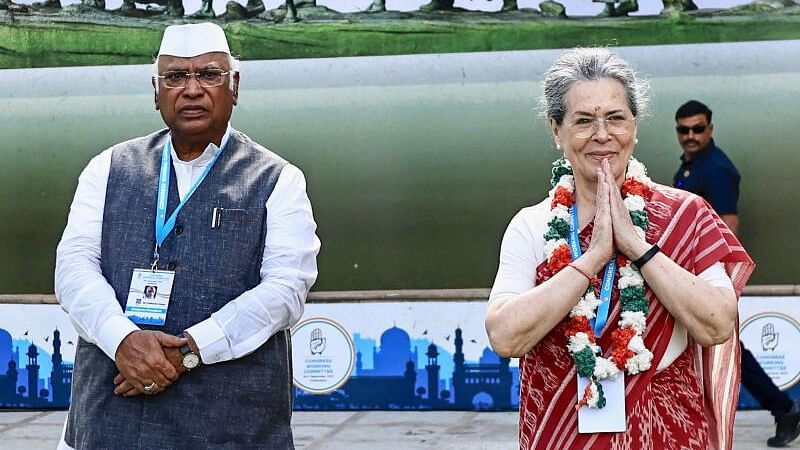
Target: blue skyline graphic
(32, 377)
(398, 372)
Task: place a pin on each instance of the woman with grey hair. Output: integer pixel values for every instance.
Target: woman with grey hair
(619, 295)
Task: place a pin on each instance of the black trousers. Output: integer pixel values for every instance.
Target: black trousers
(760, 385)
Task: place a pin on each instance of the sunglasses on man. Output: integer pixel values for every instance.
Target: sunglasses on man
(697, 129)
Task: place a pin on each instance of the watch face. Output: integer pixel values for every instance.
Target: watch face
(190, 361)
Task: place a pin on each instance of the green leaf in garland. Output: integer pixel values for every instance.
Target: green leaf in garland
(559, 228)
(559, 169)
(601, 398)
(584, 362)
(639, 218)
(560, 162)
(552, 234)
(633, 299)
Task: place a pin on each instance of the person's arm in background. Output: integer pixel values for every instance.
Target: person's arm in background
(732, 221)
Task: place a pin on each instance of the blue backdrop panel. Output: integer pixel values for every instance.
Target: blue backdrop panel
(410, 356)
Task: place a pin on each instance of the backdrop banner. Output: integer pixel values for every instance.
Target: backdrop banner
(404, 355)
(770, 329)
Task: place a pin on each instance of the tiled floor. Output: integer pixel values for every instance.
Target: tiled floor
(440, 430)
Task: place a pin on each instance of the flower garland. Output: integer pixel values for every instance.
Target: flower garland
(628, 350)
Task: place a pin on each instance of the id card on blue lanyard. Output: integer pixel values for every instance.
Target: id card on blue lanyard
(611, 418)
(150, 289)
(148, 296)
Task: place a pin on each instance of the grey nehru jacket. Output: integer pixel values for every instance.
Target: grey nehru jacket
(242, 403)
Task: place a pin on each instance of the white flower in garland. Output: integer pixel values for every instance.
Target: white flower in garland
(580, 341)
(561, 212)
(639, 362)
(636, 344)
(637, 171)
(586, 306)
(604, 368)
(631, 280)
(634, 202)
(566, 181)
(633, 319)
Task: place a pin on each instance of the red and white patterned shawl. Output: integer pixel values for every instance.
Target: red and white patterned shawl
(690, 404)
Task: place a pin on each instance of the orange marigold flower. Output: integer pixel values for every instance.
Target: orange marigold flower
(619, 342)
(560, 258)
(621, 336)
(620, 357)
(633, 187)
(562, 197)
(580, 324)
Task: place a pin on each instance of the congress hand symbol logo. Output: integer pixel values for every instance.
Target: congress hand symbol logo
(769, 337)
(317, 342)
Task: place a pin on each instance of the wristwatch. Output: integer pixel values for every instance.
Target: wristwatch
(190, 358)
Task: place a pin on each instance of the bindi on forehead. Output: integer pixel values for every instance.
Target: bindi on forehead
(597, 96)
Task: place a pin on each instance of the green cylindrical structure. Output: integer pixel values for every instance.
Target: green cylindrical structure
(415, 164)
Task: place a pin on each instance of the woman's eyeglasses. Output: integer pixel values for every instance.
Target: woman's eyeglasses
(180, 78)
(697, 129)
(584, 127)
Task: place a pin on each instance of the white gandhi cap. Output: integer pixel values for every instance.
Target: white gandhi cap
(187, 41)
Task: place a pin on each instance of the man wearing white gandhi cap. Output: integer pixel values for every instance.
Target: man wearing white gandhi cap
(207, 362)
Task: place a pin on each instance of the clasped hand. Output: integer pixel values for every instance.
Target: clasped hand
(146, 357)
(613, 228)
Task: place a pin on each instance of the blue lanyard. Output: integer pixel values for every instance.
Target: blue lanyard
(164, 225)
(608, 274)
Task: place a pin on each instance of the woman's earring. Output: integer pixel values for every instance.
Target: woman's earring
(635, 140)
(558, 146)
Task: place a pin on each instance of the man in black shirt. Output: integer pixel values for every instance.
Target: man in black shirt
(706, 171)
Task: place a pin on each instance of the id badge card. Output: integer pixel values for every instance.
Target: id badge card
(148, 297)
(609, 419)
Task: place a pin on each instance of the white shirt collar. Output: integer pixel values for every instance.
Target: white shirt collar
(206, 156)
